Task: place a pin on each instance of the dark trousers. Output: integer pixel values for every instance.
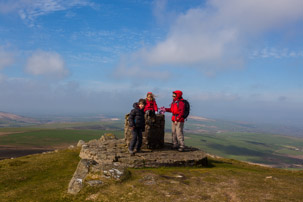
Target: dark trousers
(136, 139)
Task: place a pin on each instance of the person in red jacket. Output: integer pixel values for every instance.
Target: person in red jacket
(177, 109)
(151, 105)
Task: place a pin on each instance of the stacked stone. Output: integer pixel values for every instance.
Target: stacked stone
(153, 136)
(108, 158)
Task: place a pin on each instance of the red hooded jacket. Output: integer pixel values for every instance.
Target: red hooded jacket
(151, 105)
(177, 107)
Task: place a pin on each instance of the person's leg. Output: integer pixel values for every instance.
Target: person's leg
(174, 135)
(153, 116)
(180, 134)
(134, 139)
(147, 117)
(139, 140)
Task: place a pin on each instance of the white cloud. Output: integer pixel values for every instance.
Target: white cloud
(216, 35)
(276, 53)
(46, 63)
(130, 67)
(6, 58)
(256, 16)
(29, 10)
(215, 96)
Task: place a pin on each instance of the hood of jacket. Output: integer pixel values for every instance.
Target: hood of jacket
(178, 94)
(135, 105)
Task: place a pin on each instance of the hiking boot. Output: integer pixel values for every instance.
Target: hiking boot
(131, 152)
(181, 149)
(175, 147)
(138, 150)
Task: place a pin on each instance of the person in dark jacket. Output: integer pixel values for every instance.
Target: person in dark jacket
(177, 108)
(137, 123)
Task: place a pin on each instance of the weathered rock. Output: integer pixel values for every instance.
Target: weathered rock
(80, 143)
(153, 136)
(94, 182)
(108, 158)
(148, 180)
(71, 147)
(108, 136)
(76, 182)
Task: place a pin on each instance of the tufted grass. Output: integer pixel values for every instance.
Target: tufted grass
(39, 177)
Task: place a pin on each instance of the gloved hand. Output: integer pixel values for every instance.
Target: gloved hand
(162, 110)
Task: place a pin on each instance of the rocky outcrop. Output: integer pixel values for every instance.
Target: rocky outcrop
(80, 143)
(75, 185)
(108, 159)
(153, 136)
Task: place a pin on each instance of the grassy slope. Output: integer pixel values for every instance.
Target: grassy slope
(44, 177)
(41, 177)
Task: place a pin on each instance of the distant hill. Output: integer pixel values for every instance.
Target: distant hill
(199, 118)
(13, 120)
(196, 124)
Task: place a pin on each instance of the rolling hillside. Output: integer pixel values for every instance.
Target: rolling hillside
(13, 120)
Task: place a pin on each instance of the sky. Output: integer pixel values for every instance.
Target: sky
(233, 59)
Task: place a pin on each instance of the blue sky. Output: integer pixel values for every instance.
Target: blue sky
(238, 60)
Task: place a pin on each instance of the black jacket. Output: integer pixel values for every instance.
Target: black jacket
(136, 117)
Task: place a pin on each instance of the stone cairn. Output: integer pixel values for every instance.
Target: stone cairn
(153, 136)
(108, 158)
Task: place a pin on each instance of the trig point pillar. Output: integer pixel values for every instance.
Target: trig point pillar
(153, 136)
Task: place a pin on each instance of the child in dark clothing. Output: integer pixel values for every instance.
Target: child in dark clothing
(137, 123)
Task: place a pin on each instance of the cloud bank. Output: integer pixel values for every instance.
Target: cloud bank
(28, 96)
(217, 35)
(47, 64)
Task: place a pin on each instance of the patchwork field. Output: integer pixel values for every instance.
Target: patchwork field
(210, 136)
(273, 150)
(16, 142)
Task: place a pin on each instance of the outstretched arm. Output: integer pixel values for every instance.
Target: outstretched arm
(168, 109)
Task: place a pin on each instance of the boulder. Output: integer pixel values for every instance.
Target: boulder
(76, 183)
(80, 143)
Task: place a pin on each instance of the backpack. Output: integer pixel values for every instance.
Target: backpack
(186, 108)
